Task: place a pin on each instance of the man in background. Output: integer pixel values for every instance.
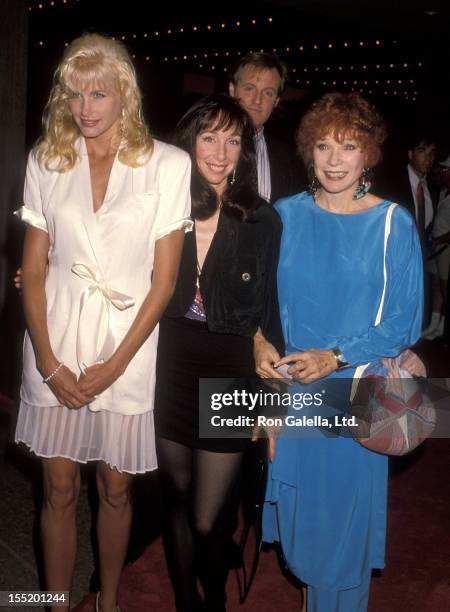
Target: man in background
(257, 81)
(414, 190)
(411, 187)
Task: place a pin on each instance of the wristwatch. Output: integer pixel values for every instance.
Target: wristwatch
(340, 359)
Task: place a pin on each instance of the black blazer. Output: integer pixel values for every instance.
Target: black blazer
(397, 188)
(238, 279)
(286, 174)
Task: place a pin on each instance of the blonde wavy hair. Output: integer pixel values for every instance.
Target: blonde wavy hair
(93, 57)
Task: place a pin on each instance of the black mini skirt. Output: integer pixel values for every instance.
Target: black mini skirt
(187, 351)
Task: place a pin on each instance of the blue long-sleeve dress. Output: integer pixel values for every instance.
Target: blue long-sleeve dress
(326, 496)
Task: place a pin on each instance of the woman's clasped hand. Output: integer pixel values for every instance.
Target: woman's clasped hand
(310, 365)
(67, 389)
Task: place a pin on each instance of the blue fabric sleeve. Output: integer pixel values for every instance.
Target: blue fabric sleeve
(401, 318)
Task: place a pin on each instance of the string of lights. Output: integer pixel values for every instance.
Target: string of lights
(318, 68)
(222, 25)
(313, 75)
(306, 75)
(168, 30)
(204, 54)
(198, 28)
(45, 4)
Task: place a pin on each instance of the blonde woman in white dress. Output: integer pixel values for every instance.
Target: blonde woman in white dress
(106, 208)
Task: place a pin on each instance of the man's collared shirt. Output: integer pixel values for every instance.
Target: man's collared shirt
(263, 167)
(414, 181)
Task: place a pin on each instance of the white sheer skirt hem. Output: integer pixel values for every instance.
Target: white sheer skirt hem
(124, 442)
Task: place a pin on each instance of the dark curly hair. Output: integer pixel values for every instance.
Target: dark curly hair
(220, 112)
(343, 116)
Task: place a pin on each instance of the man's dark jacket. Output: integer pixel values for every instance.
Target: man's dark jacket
(286, 172)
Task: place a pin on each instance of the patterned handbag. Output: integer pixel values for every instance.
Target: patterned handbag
(392, 414)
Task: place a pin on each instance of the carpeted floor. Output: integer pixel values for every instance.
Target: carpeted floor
(417, 574)
(416, 578)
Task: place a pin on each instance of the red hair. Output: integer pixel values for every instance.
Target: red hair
(342, 116)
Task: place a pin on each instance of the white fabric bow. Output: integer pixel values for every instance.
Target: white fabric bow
(95, 334)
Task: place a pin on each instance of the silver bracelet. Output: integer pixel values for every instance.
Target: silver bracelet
(45, 380)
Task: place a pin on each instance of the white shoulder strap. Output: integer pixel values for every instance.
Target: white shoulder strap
(387, 231)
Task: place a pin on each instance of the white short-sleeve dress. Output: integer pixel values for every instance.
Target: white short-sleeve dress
(99, 273)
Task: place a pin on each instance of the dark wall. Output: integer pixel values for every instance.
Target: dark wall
(13, 72)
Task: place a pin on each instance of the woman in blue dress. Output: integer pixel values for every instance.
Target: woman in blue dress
(326, 494)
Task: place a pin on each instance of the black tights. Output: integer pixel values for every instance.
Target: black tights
(196, 486)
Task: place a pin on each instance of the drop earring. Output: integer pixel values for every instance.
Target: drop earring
(314, 182)
(232, 179)
(365, 182)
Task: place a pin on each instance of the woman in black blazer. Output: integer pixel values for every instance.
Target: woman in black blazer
(223, 298)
